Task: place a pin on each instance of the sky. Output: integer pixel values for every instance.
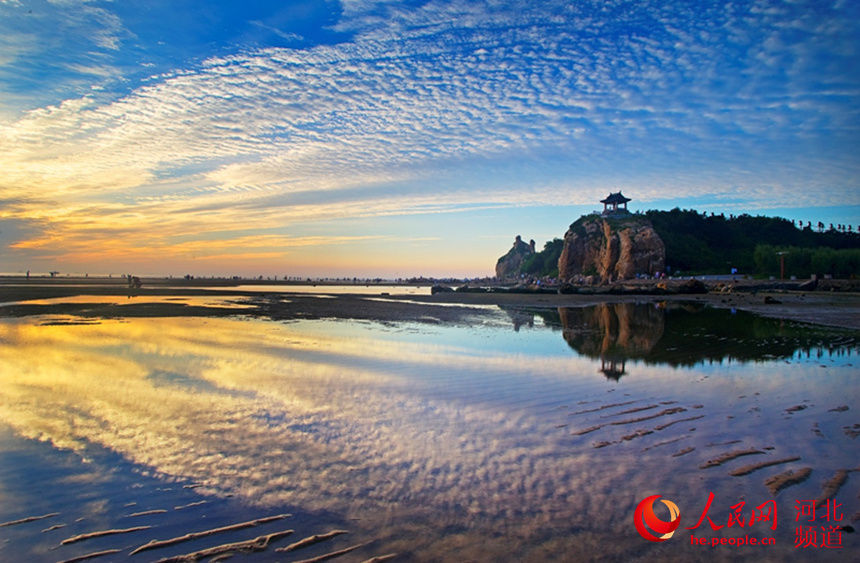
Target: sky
(396, 139)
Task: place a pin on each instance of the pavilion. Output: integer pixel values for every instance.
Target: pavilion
(615, 203)
(612, 368)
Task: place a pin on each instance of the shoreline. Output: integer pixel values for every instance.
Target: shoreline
(838, 310)
(829, 308)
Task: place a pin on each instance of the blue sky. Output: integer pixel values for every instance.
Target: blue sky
(366, 137)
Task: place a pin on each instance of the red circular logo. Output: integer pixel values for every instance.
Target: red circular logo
(644, 515)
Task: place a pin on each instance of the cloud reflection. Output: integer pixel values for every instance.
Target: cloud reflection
(370, 427)
(279, 416)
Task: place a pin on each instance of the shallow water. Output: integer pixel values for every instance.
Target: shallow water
(326, 289)
(531, 436)
(195, 301)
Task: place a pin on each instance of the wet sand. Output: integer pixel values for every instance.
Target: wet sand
(836, 309)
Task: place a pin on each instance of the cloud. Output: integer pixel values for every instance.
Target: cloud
(447, 105)
(43, 36)
(288, 35)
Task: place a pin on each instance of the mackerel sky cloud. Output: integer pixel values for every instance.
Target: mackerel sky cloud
(405, 138)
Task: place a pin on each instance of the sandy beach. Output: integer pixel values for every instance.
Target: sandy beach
(828, 308)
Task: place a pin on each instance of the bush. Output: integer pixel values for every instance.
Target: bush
(545, 262)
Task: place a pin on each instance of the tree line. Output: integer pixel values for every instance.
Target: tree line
(700, 243)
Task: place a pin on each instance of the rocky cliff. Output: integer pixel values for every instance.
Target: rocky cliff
(611, 248)
(508, 266)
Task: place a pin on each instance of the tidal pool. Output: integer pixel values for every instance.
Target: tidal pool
(530, 436)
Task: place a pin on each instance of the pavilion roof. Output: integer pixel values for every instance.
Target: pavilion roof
(616, 198)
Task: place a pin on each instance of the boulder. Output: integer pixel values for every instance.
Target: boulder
(692, 287)
(441, 289)
(567, 289)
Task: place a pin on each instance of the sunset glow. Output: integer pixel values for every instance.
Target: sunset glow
(395, 139)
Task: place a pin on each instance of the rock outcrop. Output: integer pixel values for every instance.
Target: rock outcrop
(611, 248)
(508, 266)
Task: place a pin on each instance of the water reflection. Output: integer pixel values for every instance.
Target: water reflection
(264, 411)
(444, 446)
(682, 334)
(613, 333)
